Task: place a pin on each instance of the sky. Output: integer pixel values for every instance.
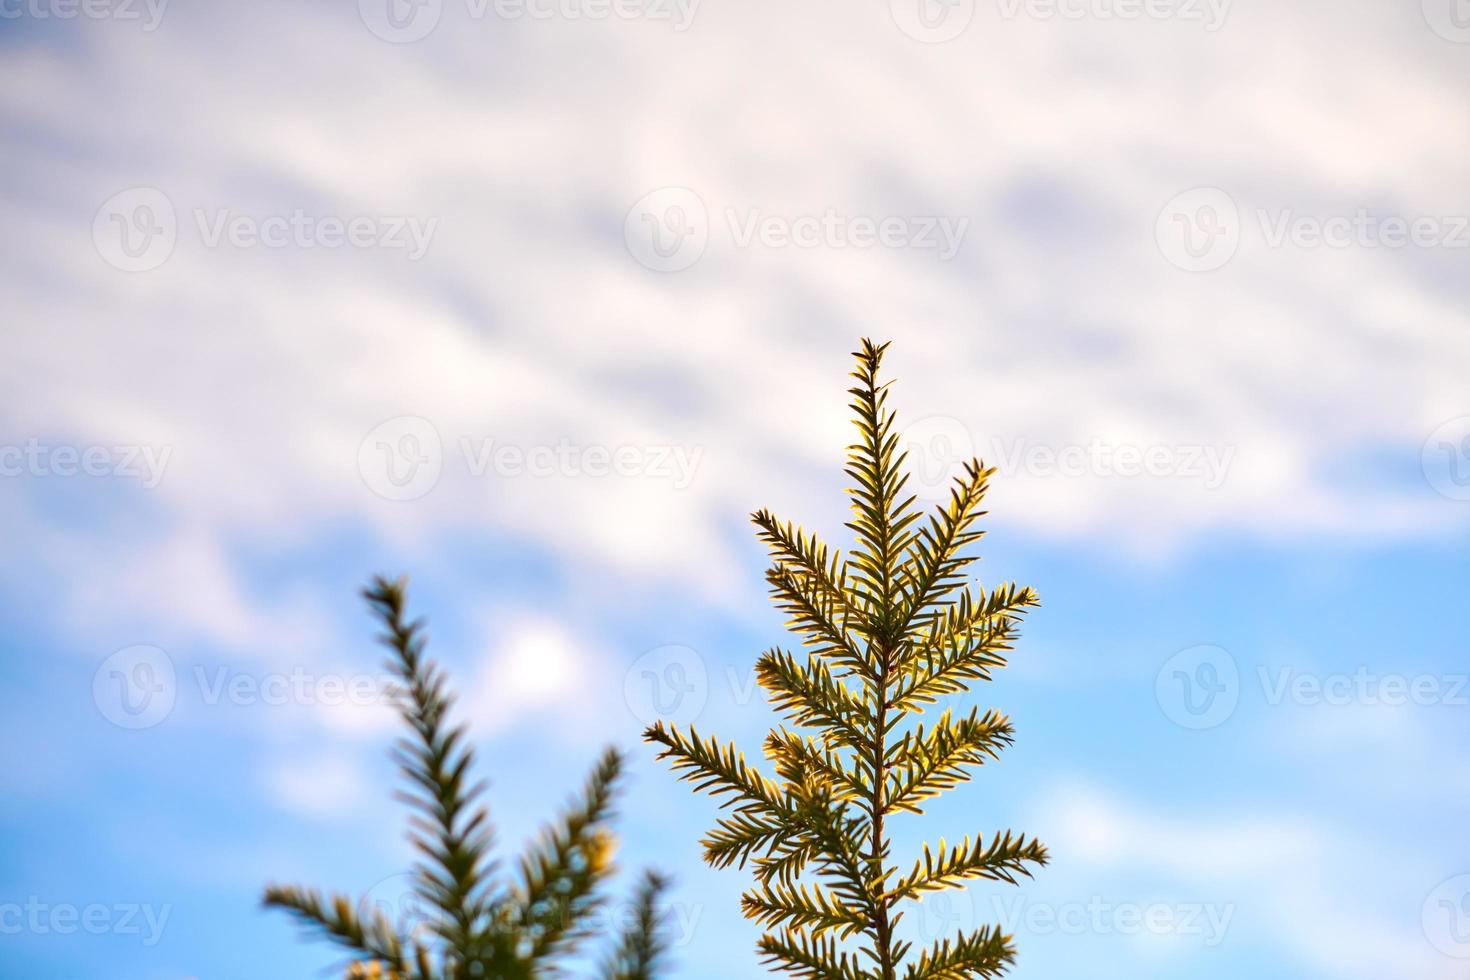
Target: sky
(537, 300)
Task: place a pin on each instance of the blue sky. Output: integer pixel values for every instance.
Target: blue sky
(539, 308)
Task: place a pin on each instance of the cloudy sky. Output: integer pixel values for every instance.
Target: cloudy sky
(537, 300)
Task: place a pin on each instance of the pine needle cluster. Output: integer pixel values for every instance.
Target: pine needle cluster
(480, 926)
(889, 630)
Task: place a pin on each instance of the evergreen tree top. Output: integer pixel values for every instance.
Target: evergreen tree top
(482, 925)
(887, 630)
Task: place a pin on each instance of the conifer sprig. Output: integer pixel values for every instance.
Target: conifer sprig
(887, 630)
(479, 927)
(448, 827)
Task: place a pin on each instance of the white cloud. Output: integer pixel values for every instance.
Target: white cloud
(537, 675)
(1100, 830)
(323, 786)
(527, 322)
